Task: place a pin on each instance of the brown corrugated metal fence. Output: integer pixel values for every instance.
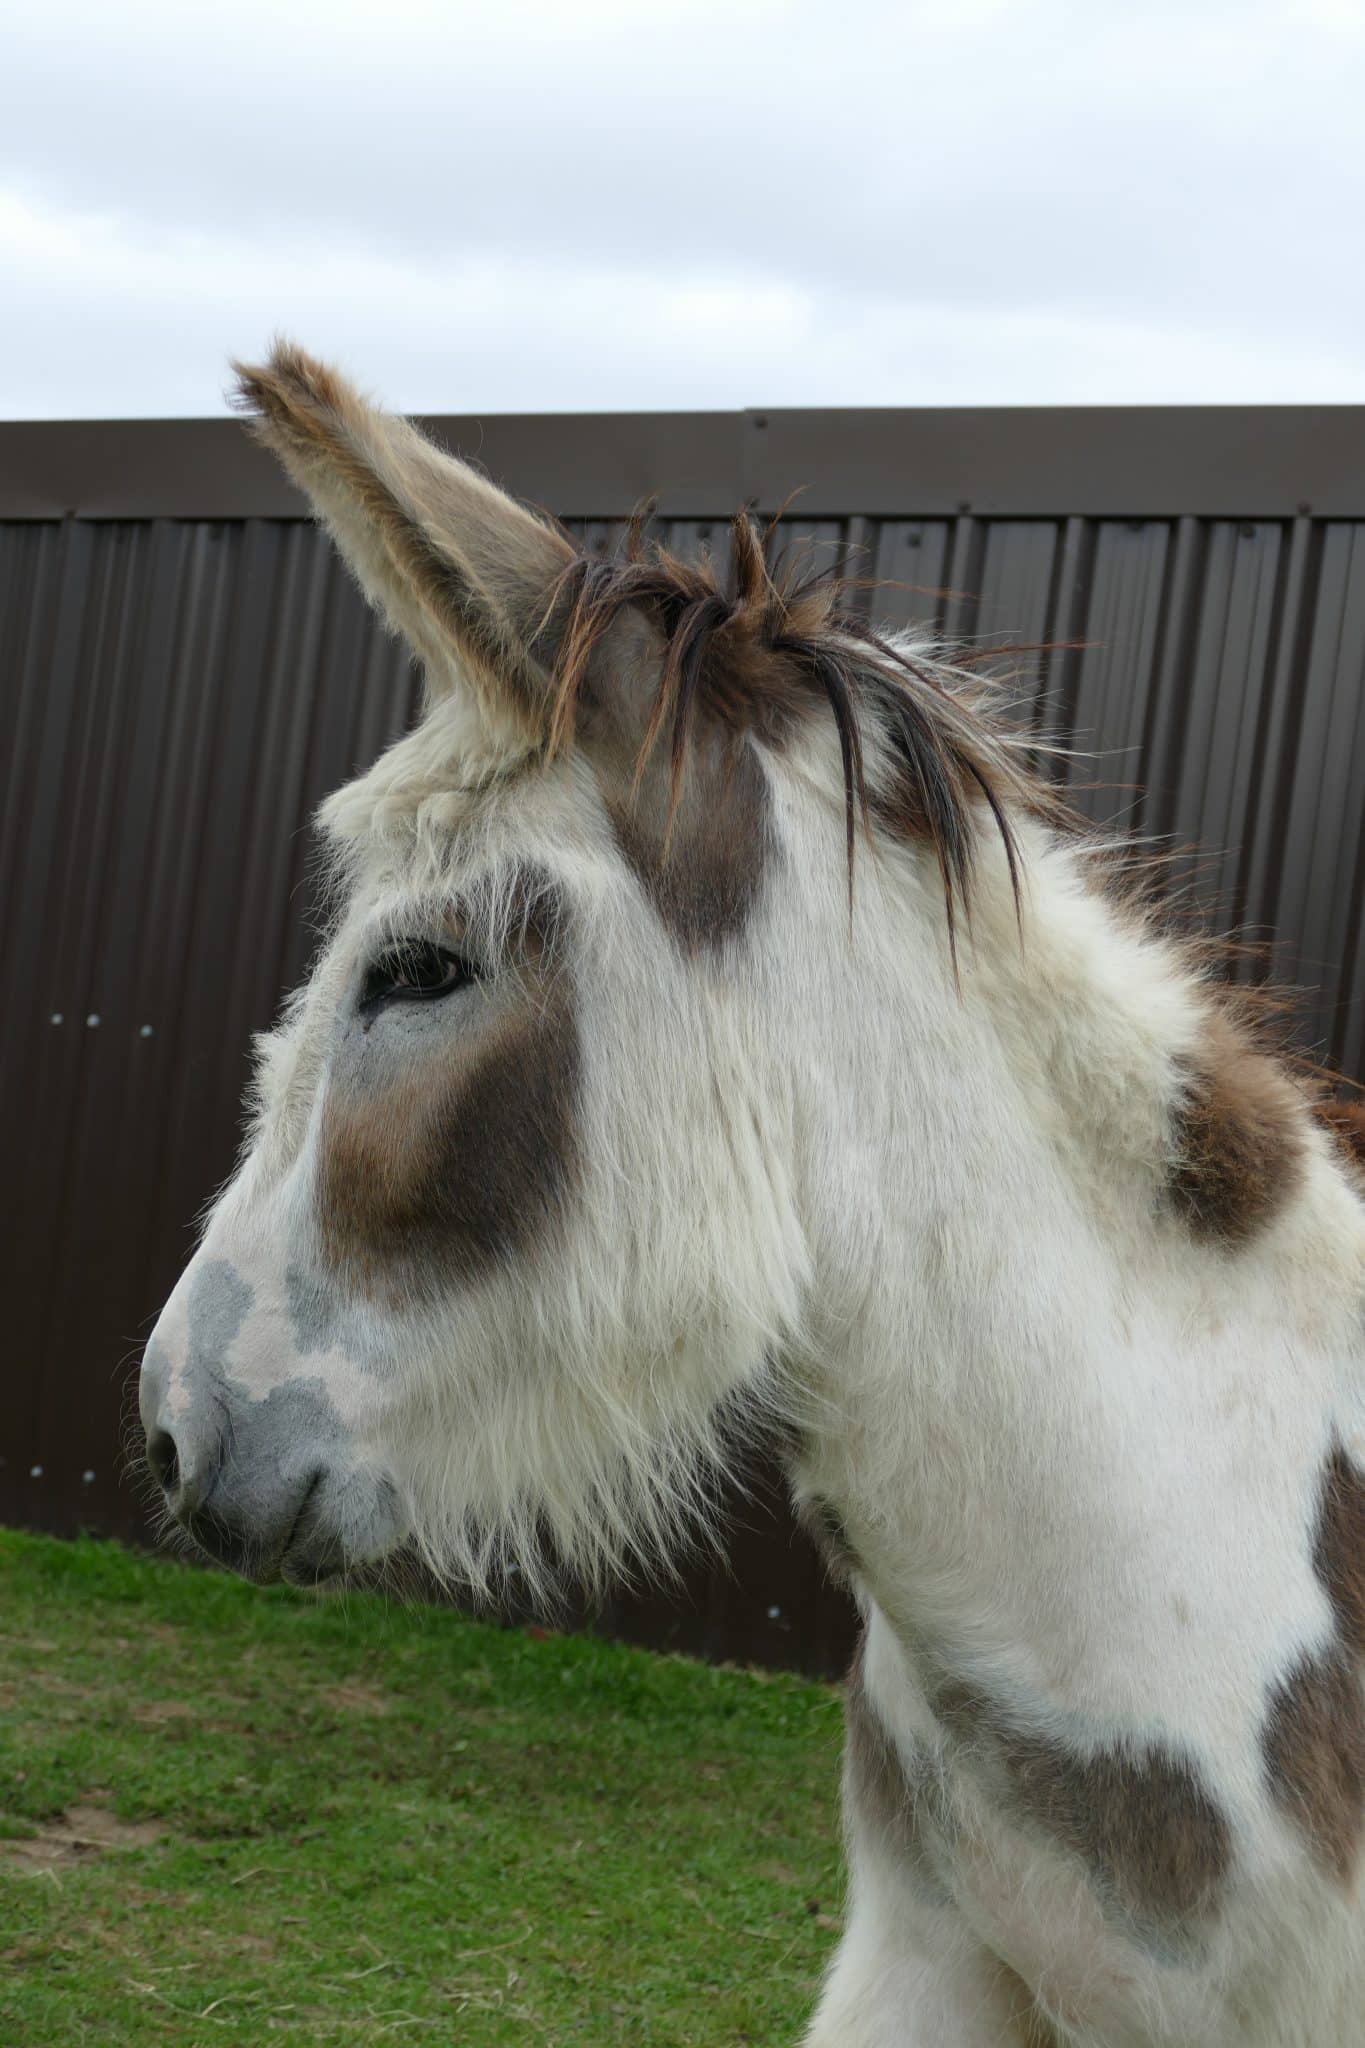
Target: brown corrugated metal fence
(187, 670)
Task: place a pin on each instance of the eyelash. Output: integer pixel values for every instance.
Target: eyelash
(419, 972)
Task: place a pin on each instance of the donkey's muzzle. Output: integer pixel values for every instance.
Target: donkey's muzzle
(267, 1487)
(265, 1531)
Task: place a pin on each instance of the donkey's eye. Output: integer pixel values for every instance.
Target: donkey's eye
(414, 973)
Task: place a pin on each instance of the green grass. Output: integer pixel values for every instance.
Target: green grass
(232, 1815)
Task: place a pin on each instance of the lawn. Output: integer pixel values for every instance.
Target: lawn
(233, 1815)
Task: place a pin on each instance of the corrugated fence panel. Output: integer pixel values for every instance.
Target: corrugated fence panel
(1200, 787)
(910, 569)
(1317, 908)
(179, 694)
(1103, 693)
(187, 693)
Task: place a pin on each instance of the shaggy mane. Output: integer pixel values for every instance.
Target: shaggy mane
(772, 647)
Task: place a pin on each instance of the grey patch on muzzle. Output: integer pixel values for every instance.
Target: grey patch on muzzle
(314, 1313)
(286, 1478)
(153, 1381)
(290, 1482)
(220, 1301)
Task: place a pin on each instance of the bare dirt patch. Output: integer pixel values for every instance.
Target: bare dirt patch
(163, 1632)
(156, 1713)
(356, 1699)
(23, 1694)
(83, 1830)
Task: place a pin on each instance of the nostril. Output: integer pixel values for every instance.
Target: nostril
(164, 1459)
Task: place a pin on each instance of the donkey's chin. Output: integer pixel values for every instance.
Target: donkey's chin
(335, 1527)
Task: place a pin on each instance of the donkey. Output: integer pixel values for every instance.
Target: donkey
(720, 1018)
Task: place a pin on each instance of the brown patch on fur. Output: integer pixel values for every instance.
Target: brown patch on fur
(1139, 1817)
(1314, 1739)
(963, 1709)
(1238, 1139)
(1314, 1745)
(879, 1793)
(1339, 1551)
(760, 658)
(463, 1161)
(1345, 1119)
(700, 854)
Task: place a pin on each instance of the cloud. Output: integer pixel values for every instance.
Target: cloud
(551, 206)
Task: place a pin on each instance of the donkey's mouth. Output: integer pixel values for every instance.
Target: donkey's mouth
(241, 1551)
(326, 1527)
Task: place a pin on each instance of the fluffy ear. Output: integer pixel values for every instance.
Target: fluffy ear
(462, 571)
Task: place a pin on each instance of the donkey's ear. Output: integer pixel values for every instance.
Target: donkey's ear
(463, 572)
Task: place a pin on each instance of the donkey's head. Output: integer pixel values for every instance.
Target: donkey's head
(527, 1200)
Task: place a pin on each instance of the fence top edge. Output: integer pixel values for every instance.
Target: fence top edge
(1022, 462)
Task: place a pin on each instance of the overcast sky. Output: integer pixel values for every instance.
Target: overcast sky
(561, 204)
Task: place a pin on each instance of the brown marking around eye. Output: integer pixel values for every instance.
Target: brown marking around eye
(464, 1162)
(1238, 1139)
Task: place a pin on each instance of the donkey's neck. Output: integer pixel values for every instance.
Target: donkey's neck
(1063, 1420)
